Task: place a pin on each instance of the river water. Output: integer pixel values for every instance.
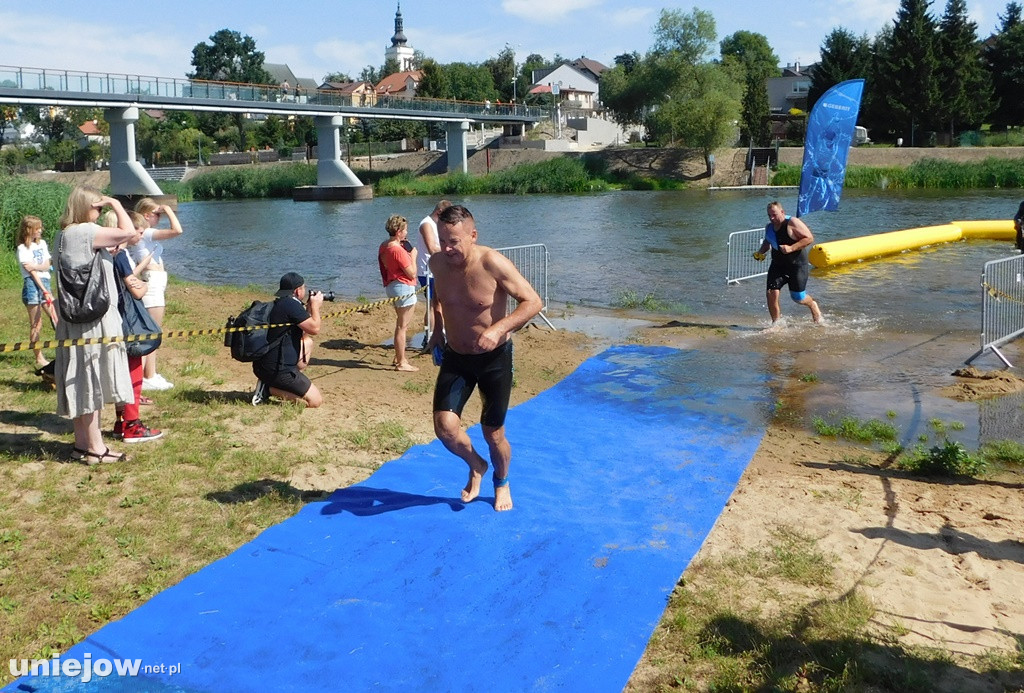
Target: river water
(603, 246)
(897, 326)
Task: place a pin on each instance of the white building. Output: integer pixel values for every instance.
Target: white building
(400, 51)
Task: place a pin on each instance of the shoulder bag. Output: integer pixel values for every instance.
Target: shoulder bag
(82, 294)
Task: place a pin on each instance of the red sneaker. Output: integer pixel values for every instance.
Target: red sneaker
(119, 429)
(137, 432)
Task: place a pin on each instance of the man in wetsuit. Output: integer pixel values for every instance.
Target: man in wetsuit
(789, 238)
(1018, 221)
(472, 284)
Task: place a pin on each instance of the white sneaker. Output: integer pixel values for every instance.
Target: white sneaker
(167, 385)
(155, 383)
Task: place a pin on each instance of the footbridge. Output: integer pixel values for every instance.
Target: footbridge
(121, 96)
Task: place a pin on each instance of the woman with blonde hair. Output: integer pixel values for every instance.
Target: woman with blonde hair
(34, 258)
(155, 276)
(91, 375)
(397, 260)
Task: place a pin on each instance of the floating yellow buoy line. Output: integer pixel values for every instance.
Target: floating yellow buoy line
(848, 250)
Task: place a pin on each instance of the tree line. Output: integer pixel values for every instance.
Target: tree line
(926, 78)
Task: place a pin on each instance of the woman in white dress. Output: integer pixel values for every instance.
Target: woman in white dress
(89, 376)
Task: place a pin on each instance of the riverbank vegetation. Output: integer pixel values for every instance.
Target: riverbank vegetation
(564, 175)
(926, 173)
(19, 197)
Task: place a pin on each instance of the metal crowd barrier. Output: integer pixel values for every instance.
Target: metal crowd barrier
(742, 265)
(532, 263)
(1002, 310)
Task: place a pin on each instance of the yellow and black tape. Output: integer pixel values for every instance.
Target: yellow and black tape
(1000, 295)
(177, 334)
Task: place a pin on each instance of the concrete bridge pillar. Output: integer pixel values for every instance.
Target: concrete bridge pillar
(128, 178)
(458, 161)
(334, 180)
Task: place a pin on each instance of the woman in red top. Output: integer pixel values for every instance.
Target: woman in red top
(397, 260)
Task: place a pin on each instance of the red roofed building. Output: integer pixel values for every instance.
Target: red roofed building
(401, 84)
(90, 132)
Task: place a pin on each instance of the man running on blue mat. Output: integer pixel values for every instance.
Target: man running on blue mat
(789, 238)
(472, 284)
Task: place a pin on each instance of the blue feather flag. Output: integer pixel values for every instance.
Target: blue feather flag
(830, 130)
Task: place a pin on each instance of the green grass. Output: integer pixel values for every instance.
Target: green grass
(990, 173)
(851, 428)
(649, 302)
(251, 181)
(89, 544)
(948, 459)
(557, 175)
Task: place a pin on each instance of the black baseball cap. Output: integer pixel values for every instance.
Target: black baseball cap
(289, 283)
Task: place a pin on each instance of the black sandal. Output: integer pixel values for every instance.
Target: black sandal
(105, 457)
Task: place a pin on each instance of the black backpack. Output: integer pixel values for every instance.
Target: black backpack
(251, 344)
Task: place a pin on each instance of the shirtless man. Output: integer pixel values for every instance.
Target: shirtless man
(426, 243)
(473, 284)
(789, 240)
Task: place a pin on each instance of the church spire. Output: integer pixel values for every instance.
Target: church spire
(399, 38)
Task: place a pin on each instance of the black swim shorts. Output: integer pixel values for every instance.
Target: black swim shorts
(780, 274)
(460, 373)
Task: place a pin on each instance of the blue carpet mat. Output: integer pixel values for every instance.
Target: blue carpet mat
(618, 475)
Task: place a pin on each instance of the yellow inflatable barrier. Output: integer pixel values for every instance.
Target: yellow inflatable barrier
(864, 247)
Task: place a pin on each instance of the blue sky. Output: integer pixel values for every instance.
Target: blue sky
(314, 38)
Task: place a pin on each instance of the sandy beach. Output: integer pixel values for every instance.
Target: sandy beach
(941, 560)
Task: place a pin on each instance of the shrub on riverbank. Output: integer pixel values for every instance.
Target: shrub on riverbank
(19, 197)
(251, 181)
(926, 173)
(561, 175)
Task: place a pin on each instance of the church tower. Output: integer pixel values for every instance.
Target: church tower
(399, 50)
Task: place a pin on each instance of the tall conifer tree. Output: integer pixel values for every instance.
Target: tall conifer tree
(964, 85)
(909, 82)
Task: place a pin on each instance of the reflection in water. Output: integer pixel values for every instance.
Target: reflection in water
(1001, 418)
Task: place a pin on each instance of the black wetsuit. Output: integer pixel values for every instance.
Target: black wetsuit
(787, 268)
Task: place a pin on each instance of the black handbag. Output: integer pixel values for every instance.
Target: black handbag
(82, 294)
(135, 321)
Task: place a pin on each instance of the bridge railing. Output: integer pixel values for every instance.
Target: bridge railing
(115, 84)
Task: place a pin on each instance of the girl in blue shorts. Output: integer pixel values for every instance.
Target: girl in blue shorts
(34, 259)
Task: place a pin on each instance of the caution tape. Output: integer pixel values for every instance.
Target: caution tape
(179, 334)
(998, 294)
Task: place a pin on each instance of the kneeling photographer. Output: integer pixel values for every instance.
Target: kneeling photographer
(291, 344)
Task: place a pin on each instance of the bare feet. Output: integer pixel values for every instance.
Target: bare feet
(815, 311)
(502, 498)
(476, 474)
(406, 366)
